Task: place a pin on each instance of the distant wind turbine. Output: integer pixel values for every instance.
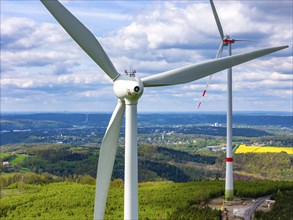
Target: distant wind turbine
(128, 89)
(225, 41)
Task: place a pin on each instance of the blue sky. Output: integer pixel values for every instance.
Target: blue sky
(44, 70)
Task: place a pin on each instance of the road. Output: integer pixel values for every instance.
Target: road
(249, 212)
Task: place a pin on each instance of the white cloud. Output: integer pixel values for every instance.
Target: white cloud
(24, 33)
(39, 59)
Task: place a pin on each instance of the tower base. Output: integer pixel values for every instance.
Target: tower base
(229, 194)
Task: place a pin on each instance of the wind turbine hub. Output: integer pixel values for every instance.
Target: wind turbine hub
(128, 88)
(227, 40)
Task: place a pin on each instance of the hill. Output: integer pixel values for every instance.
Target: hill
(102, 119)
(85, 129)
(155, 163)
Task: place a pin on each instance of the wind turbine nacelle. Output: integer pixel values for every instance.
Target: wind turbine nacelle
(128, 89)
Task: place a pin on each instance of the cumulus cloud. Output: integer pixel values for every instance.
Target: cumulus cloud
(40, 61)
(23, 33)
(166, 26)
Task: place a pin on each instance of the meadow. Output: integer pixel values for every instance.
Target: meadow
(263, 149)
(19, 159)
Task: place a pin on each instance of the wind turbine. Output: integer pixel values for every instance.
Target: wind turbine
(225, 41)
(128, 90)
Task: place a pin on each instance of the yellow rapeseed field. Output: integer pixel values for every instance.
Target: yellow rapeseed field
(262, 149)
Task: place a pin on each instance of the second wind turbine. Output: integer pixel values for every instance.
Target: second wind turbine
(226, 41)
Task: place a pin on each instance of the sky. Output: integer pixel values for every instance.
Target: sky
(44, 70)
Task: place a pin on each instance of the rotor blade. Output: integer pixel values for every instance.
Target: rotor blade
(220, 50)
(217, 20)
(219, 54)
(106, 160)
(197, 71)
(82, 36)
(245, 40)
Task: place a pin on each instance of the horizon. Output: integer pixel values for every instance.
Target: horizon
(258, 113)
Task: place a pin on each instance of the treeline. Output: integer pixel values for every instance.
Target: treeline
(15, 180)
(260, 188)
(10, 180)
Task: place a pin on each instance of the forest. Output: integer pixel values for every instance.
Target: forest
(42, 196)
(65, 160)
(156, 163)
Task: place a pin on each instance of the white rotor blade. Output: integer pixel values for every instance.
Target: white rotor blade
(82, 36)
(219, 54)
(197, 71)
(217, 20)
(253, 41)
(220, 51)
(106, 160)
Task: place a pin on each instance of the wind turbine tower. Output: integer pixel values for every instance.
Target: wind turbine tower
(229, 188)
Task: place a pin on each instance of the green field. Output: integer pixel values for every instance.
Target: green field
(19, 159)
(4, 155)
(14, 159)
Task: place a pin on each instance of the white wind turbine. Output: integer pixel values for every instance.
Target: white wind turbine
(128, 90)
(226, 41)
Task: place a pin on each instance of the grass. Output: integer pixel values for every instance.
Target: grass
(4, 155)
(18, 160)
(263, 149)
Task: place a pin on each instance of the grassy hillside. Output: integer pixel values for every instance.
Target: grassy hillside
(157, 200)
